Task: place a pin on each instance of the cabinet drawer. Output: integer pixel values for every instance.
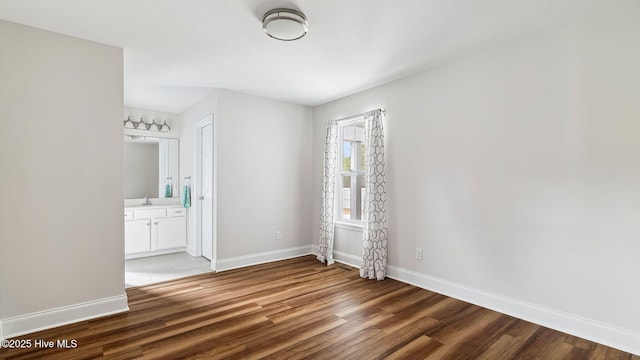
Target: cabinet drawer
(139, 214)
(176, 211)
(128, 215)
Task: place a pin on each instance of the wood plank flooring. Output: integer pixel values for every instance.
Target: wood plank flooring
(301, 309)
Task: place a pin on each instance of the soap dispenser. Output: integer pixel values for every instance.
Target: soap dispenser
(168, 188)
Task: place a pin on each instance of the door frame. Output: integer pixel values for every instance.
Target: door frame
(208, 120)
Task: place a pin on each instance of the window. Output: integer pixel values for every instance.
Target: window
(351, 171)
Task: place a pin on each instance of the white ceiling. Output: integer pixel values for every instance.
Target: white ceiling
(176, 51)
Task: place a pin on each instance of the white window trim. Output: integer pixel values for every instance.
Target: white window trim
(340, 224)
(339, 221)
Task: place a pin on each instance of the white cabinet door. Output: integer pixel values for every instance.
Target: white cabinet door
(169, 233)
(137, 236)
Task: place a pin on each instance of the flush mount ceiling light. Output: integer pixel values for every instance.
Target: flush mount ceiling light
(285, 24)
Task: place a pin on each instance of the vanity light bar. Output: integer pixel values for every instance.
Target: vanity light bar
(141, 125)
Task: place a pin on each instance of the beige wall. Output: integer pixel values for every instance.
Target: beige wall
(517, 170)
(61, 183)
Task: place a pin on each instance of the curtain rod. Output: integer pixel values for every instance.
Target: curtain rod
(359, 115)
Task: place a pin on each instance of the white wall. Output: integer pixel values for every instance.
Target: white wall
(264, 167)
(61, 229)
(517, 170)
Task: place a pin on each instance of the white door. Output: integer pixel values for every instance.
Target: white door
(205, 189)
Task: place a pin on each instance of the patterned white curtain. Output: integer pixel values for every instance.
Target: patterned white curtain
(374, 232)
(327, 214)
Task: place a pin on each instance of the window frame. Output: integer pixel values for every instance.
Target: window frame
(339, 220)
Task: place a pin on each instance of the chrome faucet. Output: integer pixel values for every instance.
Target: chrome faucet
(146, 201)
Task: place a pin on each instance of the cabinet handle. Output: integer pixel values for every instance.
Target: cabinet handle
(155, 223)
(148, 224)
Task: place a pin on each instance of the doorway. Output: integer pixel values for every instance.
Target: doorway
(205, 189)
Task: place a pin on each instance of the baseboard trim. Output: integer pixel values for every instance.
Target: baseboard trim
(42, 320)
(347, 259)
(623, 339)
(261, 258)
(154, 253)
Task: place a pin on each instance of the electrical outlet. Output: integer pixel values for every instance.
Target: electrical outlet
(278, 235)
(419, 254)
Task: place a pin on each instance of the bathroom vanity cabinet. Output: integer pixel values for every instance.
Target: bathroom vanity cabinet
(154, 230)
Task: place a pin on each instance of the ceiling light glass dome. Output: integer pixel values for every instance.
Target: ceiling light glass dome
(285, 24)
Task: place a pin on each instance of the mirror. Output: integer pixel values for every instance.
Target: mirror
(150, 167)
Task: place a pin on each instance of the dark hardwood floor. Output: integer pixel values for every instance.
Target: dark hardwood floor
(299, 308)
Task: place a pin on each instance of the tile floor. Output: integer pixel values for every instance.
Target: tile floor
(153, 269)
